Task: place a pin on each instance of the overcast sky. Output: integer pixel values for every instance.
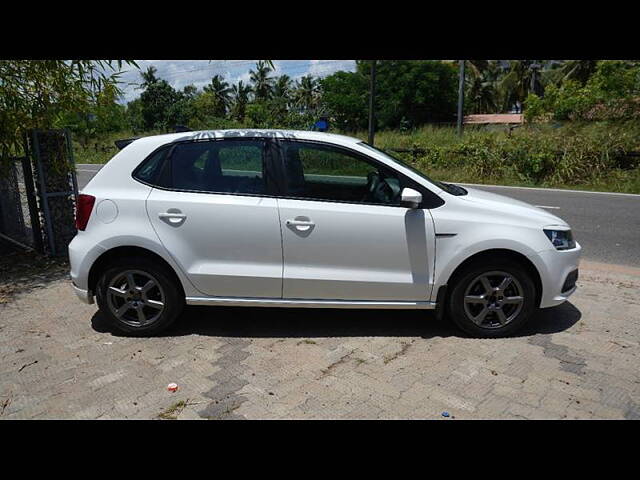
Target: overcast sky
(180, 73)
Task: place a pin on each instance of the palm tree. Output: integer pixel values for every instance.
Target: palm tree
(261, 81)
(221, 91)
(483, 93)
(579, 70)
(283, 86)
(148, 77)
(523, 77)
(307, 92)
(240, 95)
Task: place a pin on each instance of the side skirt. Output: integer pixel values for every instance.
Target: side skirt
(268, 302)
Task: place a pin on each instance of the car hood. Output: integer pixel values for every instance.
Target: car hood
(512, 207)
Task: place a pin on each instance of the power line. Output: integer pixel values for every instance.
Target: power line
(214, 67)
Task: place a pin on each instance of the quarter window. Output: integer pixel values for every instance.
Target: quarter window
(326, 173)
(224, 166)
(149, 170)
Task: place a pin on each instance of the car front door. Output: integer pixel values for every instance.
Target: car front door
(214, 215)
(345, 235)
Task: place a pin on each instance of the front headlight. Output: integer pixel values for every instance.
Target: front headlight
(561, 239)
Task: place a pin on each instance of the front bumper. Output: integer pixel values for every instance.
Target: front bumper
(83, 295)
(555, 266)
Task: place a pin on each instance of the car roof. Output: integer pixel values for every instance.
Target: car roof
(250, 133)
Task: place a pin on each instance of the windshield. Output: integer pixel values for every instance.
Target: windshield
(447, 187)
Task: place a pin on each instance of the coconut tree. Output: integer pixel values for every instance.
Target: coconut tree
(240, 95)
(307, 92)
(483, 94)
(283, 86)
(523, 77)
(221, 92)
(578, 70)
(261, 82)
(149, 77)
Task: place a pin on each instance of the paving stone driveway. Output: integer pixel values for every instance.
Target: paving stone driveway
(58, 359)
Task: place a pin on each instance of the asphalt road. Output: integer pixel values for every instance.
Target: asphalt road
(607, 225)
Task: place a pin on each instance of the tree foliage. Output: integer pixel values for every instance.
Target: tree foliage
(84, 96)
(50, 93)
(612, 92)
(345, 95)
(421, 91)
(407, 92)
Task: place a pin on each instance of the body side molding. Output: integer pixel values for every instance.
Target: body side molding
(277, 302)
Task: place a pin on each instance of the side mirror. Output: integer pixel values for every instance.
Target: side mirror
(410, 198)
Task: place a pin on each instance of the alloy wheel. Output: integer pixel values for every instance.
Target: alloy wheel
(493, 299)
(135, 298)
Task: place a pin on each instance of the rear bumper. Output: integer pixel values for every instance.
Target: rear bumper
(83, 295)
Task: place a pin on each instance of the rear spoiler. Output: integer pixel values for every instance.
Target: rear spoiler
(124, 142)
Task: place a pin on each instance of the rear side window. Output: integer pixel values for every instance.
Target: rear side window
(223, 166)
(149, 170)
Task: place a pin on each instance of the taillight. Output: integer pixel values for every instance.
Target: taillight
(83, 210)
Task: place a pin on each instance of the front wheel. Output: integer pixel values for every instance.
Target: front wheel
(139, 297)
(493, 299)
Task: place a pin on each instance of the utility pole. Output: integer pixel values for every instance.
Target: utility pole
(372, 94)
(460, 97)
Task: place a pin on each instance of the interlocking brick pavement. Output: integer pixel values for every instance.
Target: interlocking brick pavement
(58, 359)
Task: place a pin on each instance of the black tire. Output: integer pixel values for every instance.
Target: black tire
(168, 293)
(469, 282)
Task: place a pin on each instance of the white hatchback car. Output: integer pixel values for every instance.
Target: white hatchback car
(307, 219)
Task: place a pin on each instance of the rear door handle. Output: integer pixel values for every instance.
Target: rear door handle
(173, 217)
(300, 223)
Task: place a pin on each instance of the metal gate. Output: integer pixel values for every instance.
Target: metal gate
(38, 193)
(56, 186)
(19, 219)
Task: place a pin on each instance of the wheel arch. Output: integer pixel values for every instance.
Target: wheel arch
(105, 259)
(502, 253)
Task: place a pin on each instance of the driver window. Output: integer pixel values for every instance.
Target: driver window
(324, 173)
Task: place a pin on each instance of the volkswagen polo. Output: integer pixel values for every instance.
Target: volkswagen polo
(278, 218)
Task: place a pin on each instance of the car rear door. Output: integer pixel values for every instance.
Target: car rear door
(343, 241)
(215, 216)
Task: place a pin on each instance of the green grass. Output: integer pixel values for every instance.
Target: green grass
(173, 411)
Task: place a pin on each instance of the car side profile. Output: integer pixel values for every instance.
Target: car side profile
(307, 219)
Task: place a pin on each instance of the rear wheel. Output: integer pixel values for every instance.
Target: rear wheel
(492, 299)
(139, 297)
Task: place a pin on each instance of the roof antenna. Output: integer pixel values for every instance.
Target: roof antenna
(181, 128)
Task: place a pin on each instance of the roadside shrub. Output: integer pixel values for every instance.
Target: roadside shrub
(571, 154)
(611, 93)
